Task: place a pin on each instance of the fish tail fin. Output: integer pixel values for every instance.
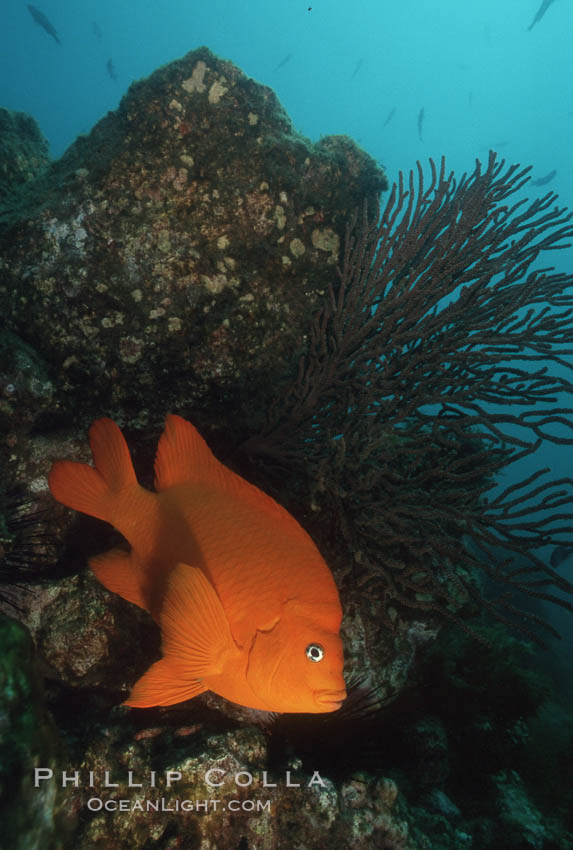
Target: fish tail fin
(95, 490)
(183, 455)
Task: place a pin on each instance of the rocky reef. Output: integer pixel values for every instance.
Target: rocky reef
(23, 152)
(173, 254)
(171, 261)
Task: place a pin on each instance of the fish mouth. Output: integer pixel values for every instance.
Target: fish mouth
(331, 700)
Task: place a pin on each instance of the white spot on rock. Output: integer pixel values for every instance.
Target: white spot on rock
(195, 81)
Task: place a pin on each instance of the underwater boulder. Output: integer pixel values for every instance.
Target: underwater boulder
(80, 631)
(24, 152)
(214, 789)
(172, 256)
(25, 386)
(519, 822)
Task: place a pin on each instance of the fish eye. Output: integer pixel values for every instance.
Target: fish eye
(314, 652)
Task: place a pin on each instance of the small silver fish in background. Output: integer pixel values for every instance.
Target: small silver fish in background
(96, 30)
(111, 69)
(357, 68)
(559, 555)
(389, 117)
(420, 123)
(43, 22)
(542, 181)
(494, 146)
(283, 61)
(540, 12)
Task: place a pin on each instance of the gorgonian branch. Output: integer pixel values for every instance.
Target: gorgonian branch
(429, 369)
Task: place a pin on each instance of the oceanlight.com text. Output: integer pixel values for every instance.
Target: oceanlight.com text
(164, 804)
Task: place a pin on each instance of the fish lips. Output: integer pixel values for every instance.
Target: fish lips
(331, 700)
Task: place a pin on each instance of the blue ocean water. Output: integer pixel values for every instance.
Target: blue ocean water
(482, 75)
(483, 79)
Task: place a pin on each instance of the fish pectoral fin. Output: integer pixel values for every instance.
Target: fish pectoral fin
(121, 573)
(194, 627)
(196, 642)
(164, 684)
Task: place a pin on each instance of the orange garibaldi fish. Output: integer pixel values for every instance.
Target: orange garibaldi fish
(246, 604)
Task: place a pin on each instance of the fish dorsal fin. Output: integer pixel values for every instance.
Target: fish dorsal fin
(183, 456)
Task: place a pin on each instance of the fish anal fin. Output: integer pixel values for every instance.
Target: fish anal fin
(164, 684)
(194, 627)
(121, 573)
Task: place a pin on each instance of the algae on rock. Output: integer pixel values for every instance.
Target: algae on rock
(30, 817)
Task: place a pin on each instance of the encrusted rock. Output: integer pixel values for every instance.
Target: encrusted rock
(25, 386)
(82, 633)
(206, 790)
(23, 151)
(172, 257)
(520, 823)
